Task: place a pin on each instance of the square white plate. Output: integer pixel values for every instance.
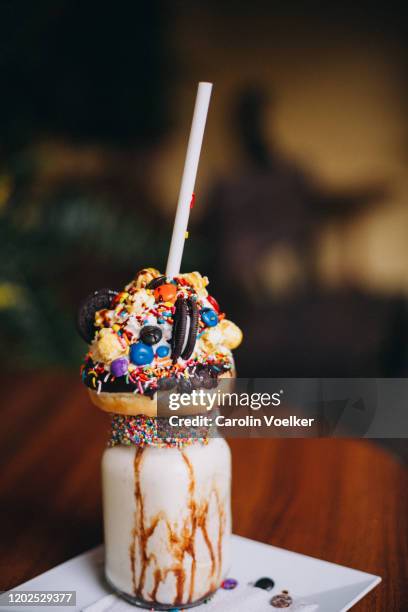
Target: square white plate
(332, 587)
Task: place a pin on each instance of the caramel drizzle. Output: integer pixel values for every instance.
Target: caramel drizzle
(221, 529)
(193, 520)
(179, 544)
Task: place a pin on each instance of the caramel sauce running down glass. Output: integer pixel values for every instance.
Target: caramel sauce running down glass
(167, 522)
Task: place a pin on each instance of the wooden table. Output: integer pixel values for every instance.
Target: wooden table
(340, 500)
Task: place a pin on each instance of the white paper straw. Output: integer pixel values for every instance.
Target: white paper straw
(188, 179)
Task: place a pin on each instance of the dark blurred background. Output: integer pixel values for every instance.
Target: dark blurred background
(301, 217)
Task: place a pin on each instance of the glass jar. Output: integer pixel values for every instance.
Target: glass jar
(167, 522)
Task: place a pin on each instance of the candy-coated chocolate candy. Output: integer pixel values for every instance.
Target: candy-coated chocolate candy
(150, 334)
(266, 584)
(214, 303)
(166, 293)
(283, 600)
(229, 583)
(209, 316)
(162, 351)
(119, 367)
(141, 354)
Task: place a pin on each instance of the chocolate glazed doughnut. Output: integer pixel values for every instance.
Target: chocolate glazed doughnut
(192, 333)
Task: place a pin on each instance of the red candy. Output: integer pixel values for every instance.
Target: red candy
(214, 303)
(165, 293)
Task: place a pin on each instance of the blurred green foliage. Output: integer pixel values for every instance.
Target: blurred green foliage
(53, 251)
(46, 248)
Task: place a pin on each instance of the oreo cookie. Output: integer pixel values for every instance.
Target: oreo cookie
(179, 328)
(192, 332)
(156, 282)
(98, 300)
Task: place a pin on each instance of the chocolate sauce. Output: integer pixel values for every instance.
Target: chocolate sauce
(193, 518)
(181, 542)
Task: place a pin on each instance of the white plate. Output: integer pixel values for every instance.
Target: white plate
(333, 588)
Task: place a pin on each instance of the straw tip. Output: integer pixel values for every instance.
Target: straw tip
(205, 83)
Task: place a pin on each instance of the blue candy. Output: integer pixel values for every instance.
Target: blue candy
(141, 354)
(163, 350)
(209, 316)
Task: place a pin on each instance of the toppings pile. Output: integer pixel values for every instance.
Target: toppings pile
(158, 333)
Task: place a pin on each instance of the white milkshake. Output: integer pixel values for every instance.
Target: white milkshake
(166, 488)
(167, 521)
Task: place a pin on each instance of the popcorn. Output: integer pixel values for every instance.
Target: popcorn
(212, 341)
(222, 338)
(231, 334)
(197, 281)
(106, 347)
(144, 277)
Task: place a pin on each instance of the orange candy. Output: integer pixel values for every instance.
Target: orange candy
(165, 293)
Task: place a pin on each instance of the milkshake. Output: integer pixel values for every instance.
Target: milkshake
(166, 491)
(167, 521)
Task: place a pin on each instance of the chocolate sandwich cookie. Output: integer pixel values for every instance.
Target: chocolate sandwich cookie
(179, 328)
(98, 300)
(192, 332)
(156, 282)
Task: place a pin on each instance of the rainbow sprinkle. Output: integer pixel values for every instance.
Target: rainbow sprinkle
(150, 431)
